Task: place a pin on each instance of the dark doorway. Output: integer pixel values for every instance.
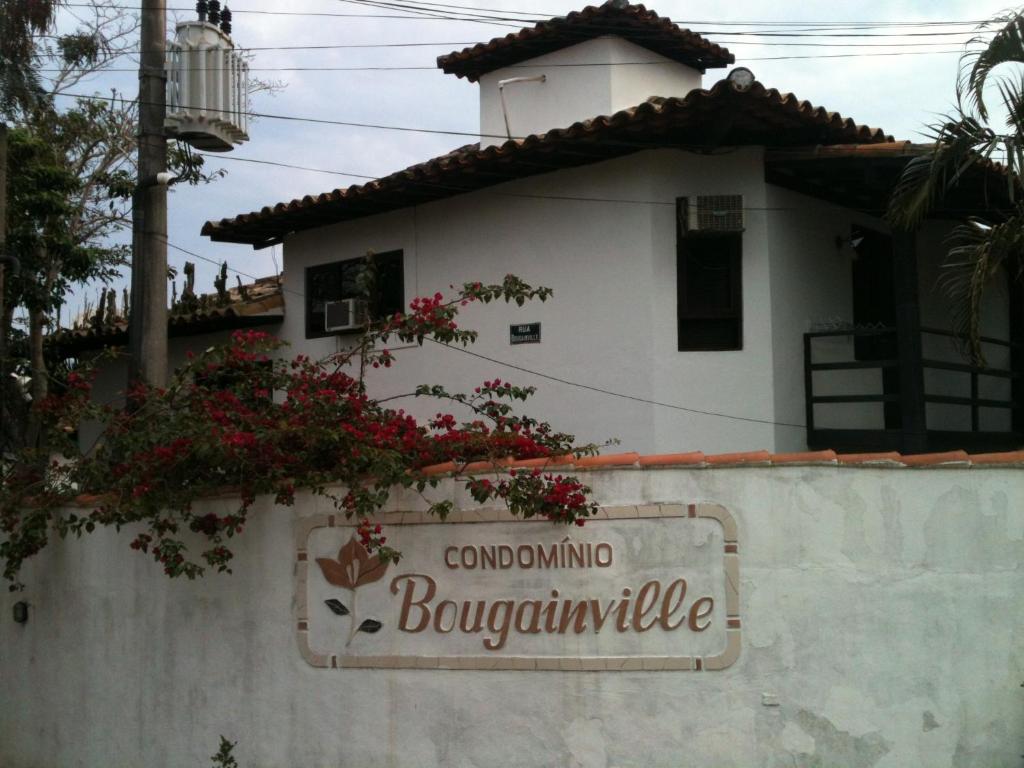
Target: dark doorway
(874, 307)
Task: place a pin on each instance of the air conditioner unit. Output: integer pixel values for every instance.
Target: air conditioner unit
(345, 315)
(712, 213)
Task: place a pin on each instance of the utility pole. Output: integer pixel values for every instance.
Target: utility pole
(147, 324)
(3, 258)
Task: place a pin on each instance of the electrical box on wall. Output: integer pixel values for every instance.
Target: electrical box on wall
(711, 213)
(345, 315)
(207, 83)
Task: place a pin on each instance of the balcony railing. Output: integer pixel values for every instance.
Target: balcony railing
(867, 409)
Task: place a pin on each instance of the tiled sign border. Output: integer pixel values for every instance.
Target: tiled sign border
(726, 658)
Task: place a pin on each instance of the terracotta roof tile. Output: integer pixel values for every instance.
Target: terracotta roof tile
(630, 22)
(734, 459)
(439, 469)
(547, 463)
(758, 116)
(806, 457)
(693, 458)
(997, 459)
(889, 457)
(257, 303)
(754, 459)
(608, 460)
(488, 466)
(937, 459)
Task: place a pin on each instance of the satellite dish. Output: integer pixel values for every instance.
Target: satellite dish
(741, 79)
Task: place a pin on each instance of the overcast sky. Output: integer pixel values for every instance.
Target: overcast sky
(898, 93)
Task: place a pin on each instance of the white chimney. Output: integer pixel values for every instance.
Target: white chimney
(596, 77)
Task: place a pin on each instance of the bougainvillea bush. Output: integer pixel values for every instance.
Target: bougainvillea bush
(248, 419)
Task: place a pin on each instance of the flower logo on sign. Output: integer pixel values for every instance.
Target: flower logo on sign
(354, 568)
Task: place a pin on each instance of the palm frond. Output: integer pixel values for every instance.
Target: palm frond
(1012, 93)
(960, 143)
(1006, 46)
(979, 252)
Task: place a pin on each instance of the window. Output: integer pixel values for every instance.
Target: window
(340, 280)
(709, 290)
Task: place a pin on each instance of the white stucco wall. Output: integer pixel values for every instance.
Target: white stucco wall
(881, 623)
(596, 77)
(603, 236)
(610, 259)
(811, 286)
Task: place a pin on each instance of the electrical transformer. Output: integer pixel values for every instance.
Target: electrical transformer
(207, 82)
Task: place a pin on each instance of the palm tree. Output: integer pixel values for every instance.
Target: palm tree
(981, 249)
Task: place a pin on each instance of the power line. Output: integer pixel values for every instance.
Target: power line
(293, 118)
(434, 68)
(634, 398)
(525, 195)
(113, 98)
(821, 25)
(437, 7)
(436, 10)
(286, 165)
(363, 46)
(885, 23)
(327, 14)
(538, 374)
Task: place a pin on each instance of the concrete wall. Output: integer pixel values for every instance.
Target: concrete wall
(596, 77)
(881, 623)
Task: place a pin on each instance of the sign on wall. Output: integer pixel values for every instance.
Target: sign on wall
(652, 587)
(524, 333)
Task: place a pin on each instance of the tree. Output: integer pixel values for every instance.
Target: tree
(20, 22)
(967, 139)
(45, 216)
(245, 418)
(92, 142)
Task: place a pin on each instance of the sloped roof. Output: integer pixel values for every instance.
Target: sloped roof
(615, 17)
(258, 303)
(704, 119)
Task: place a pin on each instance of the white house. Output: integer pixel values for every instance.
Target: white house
(694, 230)
(757, 609)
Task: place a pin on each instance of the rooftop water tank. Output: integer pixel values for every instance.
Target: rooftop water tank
(207, 82)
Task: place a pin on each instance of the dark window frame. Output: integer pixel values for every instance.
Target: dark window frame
(708, 328)
(390, 266)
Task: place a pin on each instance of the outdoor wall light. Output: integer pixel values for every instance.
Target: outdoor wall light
(853, 243)
(20, 612)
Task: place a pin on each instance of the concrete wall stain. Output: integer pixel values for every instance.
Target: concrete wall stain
(834, 747)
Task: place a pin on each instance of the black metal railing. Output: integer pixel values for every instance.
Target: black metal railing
(884, 340)
(973, 401)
